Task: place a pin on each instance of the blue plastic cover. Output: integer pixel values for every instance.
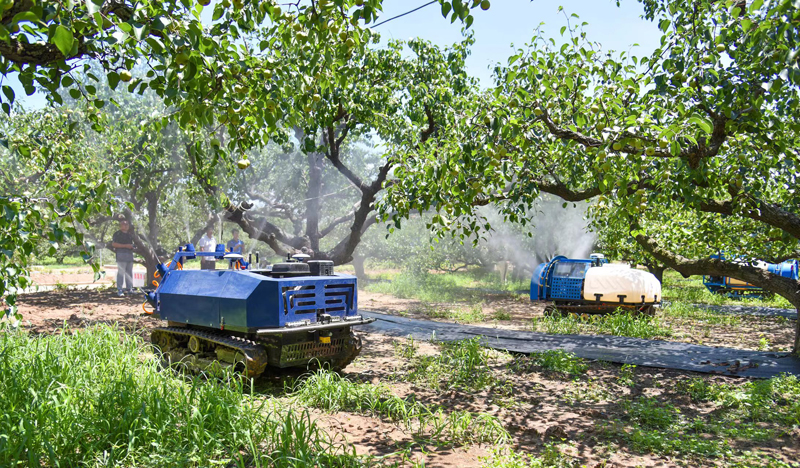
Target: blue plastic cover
(561, 278)
(240, 298)
(537, 282)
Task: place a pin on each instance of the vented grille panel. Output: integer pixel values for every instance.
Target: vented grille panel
(339, 297)
(334, 299)
(311, 349)
(566, 288)
(299, 299)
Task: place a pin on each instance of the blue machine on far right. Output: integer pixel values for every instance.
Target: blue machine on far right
(737, 289)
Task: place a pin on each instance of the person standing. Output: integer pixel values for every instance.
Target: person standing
(235, 245)
(122, 242)
(208, 243)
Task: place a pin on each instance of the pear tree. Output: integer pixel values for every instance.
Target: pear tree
(691, 150)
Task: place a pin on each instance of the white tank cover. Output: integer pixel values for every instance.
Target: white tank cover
(610, 283)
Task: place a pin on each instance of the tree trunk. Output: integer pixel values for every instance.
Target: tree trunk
(313, 201)
(518, 273)
(153, 230)
(796, 350)
(144, 249)
(657, 271)
(358, 265)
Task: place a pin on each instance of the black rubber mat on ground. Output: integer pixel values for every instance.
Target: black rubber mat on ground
(623, 350)
(750, 310)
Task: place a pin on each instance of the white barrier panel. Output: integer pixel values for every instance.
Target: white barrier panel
(138, 278)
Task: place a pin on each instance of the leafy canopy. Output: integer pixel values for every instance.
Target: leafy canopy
(704, 130)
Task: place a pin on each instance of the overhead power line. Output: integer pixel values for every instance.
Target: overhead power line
(406, 13)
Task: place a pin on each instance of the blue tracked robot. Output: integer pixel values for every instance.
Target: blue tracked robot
(291, 314)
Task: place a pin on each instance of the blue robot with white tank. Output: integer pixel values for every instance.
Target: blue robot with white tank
(593, 286)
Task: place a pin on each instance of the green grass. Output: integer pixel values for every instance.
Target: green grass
(648, 413)
(465, 314)
(52, 262)
(776, 400)
(332, 392)
(550, 457)
(501, 314)
(471, 285)
(757, 411)
(618, 324)
(460, 365)
(687, 312)
(555, 360)
(626, 375)
(97, 397)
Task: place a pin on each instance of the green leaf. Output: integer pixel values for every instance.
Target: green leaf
(113, 79)
(25, 16)
(446, 9)
(93, 6)
(9, 93)
(63, 39)
(702, 122)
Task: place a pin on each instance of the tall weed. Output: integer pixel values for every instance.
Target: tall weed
(461, 364)
(332, 392)
(99, 398)
(555, 360)
(620, 323)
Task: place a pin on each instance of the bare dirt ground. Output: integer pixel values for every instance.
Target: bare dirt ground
(49, 311)
(70, 276)
(544, 408)
(538, 408)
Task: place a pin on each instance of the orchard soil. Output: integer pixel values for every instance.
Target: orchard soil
(544, 408)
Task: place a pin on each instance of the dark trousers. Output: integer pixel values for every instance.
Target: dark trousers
(207, 264)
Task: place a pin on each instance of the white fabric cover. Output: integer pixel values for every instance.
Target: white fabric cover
(612, 282)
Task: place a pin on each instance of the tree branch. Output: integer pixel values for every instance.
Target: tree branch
(692, 154)
(338, 221)
(333, 156)
(769, 213)
(786, 287)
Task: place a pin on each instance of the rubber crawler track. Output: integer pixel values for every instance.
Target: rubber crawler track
(355, 342)
(255, 355)
(551, 309)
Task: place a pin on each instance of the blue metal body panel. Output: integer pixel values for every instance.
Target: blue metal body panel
(244, 299)
(538, 281)
(247, 299)
(566, 288)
